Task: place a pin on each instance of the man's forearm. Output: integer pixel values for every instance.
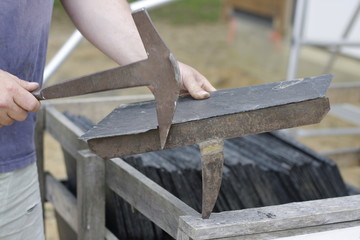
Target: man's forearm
(109, 26)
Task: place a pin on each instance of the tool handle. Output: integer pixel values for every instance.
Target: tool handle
(38, 95)
(132, 75)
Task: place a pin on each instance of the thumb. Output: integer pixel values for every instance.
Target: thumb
(194, 82)
(195, 90)
(30, 86)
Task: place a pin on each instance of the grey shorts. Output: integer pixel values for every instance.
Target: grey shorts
(20, 205)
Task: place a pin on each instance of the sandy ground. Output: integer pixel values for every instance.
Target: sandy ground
(251, 59)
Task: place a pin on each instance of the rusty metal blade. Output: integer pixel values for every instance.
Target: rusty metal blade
(212, 162)
(165, 108)
(116, 78)
(160, 71)
(166, 97)
(163, 71)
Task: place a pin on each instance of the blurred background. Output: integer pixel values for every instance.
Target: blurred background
(237, 43)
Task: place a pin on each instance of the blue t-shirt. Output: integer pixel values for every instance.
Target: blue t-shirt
(24, 30)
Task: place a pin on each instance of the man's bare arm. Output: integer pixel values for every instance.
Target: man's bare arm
(110, 27)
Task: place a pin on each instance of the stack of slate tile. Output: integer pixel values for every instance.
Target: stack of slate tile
(260, 170)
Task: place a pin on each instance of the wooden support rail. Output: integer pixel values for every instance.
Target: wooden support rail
(65, 204)
(159, 205)
(276, 221)
(64, 131)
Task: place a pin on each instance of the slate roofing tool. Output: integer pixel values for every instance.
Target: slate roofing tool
(131, 129)
(160, 71)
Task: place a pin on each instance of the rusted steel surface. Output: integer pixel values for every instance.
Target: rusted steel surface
(132, 129)
(160, 71)
(212, 162)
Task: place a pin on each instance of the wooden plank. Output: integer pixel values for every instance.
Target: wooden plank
(265, 220)
(67, 134)
(347, 112)
(65, 203)
(146, 196)
(91, 196)
(181, 236)
(64, 131)
(39, 144)
(349, 233)
(279, 235)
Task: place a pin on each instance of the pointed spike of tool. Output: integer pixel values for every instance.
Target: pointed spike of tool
(165, 113)
(164, 72)
(212, 162)
(166, 96)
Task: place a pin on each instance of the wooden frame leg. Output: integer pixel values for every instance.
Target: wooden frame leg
(39, 144)
(90, 196)
(182, 236)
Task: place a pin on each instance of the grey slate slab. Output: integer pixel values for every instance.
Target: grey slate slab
(141, 117)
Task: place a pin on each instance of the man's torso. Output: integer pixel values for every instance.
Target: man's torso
(24, 28)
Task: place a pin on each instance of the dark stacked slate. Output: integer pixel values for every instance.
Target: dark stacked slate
(260, 170)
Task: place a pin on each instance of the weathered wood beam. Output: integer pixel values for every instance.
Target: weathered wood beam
(39, 143)
(288, 234)
(146, 196)
(275, 221)
(65, 203)
(90, 196)
(90, 177)
(132, 129)
(64, 131)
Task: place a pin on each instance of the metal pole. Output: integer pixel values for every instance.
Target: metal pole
(326, 43)
(72, 42)
(298, 30)
(336, 49)
(76, 37)
(149, 4)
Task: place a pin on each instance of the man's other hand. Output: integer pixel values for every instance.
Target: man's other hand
(16, 100)
(194, 83)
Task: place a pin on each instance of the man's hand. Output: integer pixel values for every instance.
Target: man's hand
(194, 83)
(16, 101)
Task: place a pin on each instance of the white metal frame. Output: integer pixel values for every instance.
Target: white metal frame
(297, 38)
(338, 93)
